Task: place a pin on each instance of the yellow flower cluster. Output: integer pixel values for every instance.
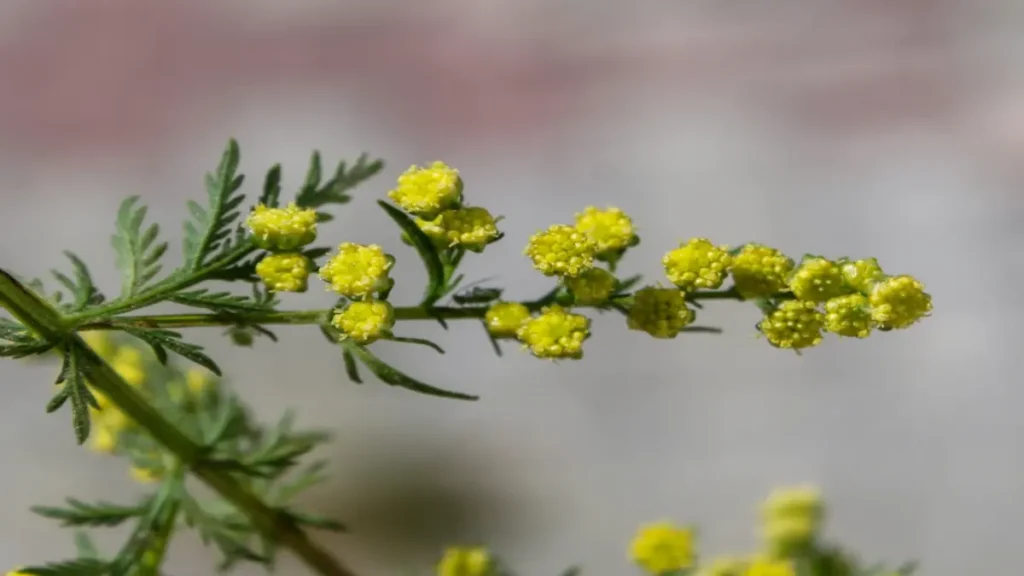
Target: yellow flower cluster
(282, 232)
(569, 251)
(365, 322)
(464, 561)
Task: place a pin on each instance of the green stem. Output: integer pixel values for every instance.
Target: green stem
(48, 324)
(299, 317)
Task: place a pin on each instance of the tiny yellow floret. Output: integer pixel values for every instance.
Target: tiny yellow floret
(282, 229)
(366, 321)
(358, 271)
(504, 319)
(760, 271)
(661, 312)
(472, 228)
(697, 264)
(426, 192)
(849, 315)
(555, 333)
(610, 229)
(592, 287)
(465, 562)
(561, 251)
(767, 566)
(144, 475)
(862, 275)
(287, 272)
(899, 302)
(663, 547)
(795, 324)
(817, 280)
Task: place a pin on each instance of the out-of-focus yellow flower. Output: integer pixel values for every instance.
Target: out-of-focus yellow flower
(144, 475)
(899, 302)
(103, 439)
(791, 517)
(282, 229)
(765, 566)
(197, 380)
(663, 547)
(358, 271)
(366, 321)
(561, 251)
(99, 342)
(465, 562)
(555, 334)
(610, 229)
(426, 192)
(592, 287)
(129, 364)
(661, 312)
(285, 272)
(724, 566)
(504, 319)
(697, 264)
(16, 572)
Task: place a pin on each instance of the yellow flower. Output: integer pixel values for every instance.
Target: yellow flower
(784, 534)
(817, 280)
(144, 475)
(724, 566)
(282, 229)
(366, 321)
(555, 333)
(128, 364)
(793, 500)
(760, 271)
(358, 271)
(16, 572)
(197, 380)
(465, 562)
(99, 342)
(791, 517)
(697, 264)
(561, 251)
(663, 547)
(861, 275)
(103, 439)
(661, 312)
(611, 229)
(286, 272)
(849, 315)
(503, 319)
(763, 566)
(427, 191)
(592, 287)
(794, 324)
(471, 228)
(899, 302)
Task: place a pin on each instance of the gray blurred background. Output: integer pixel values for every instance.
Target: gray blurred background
(891, 128)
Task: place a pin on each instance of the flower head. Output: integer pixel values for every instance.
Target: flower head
(282, 229)
(593, 286)
(555, 334)
(504, 319)
(849, 315)
(610, 229)
(287, 272)
(365, 321)
(760, 271)
(470, 227)
(817, 280)
(663, 547)
(791, 517)
(661, 312)
(767, 566)
(794, 324)
(561, 251)
(197, 380)
(358, 271)
(697, 264)
(898, 302)
(427, 191)
(103, 439)
(465, 562)
(862, 275)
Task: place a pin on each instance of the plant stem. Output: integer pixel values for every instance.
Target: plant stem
(48, 323)
(299, 317)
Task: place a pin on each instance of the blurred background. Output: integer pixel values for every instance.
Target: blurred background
(888, 128)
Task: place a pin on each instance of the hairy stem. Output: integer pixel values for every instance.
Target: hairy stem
(48, 323)
(299, 317)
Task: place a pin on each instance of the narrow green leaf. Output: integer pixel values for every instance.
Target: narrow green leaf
(316, 521)
(209, 230)
(85, 547)
(78, 567)
(419, 341)
(426, 249)
(162, 340)
(351, 367)
(24, 349)
(625, 285)
(391, 375)
(79, 513)
(220, 301)
(271, 196)
(137, 252)
(494, 341)
(58, 400)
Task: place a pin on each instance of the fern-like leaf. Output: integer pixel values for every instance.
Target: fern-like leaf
(163, 340)
(78, 567)
(81, 285)
(209, 231)
(313, 194)
(78, 513)
(74, 388)
(221, 301)
(136, 247)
